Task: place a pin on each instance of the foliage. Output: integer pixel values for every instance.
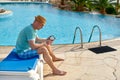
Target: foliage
(62, 2)
(110, 10)
(101, 5)
(79, 4)
(90, 5)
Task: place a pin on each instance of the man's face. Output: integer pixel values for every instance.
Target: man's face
(39, 25)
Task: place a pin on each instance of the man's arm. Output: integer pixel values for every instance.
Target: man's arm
(34, 45)
(40, 40)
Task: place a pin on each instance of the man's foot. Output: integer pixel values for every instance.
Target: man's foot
(61, 73)
(58, 59)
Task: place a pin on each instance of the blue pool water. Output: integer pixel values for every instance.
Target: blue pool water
(60, 23)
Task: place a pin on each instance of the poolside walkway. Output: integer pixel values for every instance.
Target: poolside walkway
(83, 64)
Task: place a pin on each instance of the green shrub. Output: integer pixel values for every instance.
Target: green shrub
(110, 10)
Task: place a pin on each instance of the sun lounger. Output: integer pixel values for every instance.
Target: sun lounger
(13, 68)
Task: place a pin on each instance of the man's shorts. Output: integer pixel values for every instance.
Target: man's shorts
(27, 54)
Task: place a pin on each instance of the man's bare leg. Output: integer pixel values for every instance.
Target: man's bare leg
(54, 58)
(49, 61)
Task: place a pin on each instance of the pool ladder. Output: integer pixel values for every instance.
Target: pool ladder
(81, 38)
(100, 34)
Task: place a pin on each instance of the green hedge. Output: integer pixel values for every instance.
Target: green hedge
(110, 10)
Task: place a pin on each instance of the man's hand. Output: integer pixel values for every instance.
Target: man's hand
(49, 42)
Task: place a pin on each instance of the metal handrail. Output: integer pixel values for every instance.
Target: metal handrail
(81, 38)
(100, 34)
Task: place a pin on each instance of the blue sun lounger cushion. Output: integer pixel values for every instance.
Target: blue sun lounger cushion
(13, 63)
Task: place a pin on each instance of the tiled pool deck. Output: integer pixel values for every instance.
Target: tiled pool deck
(82, 64)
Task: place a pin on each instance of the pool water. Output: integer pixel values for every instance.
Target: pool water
(60, 23)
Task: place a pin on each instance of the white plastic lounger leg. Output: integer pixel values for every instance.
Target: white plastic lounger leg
(40, 70)
(40, 67)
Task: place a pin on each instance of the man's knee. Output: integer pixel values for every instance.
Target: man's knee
(42, 50)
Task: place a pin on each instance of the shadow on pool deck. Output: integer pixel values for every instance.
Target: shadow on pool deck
(83, 64)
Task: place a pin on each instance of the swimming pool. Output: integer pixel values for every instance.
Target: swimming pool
(60, 23)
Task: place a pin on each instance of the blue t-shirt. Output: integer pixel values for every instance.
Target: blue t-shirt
(28, 33)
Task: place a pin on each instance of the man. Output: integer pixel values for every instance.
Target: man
(27, 47)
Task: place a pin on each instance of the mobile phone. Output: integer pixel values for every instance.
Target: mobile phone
(52, 38)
